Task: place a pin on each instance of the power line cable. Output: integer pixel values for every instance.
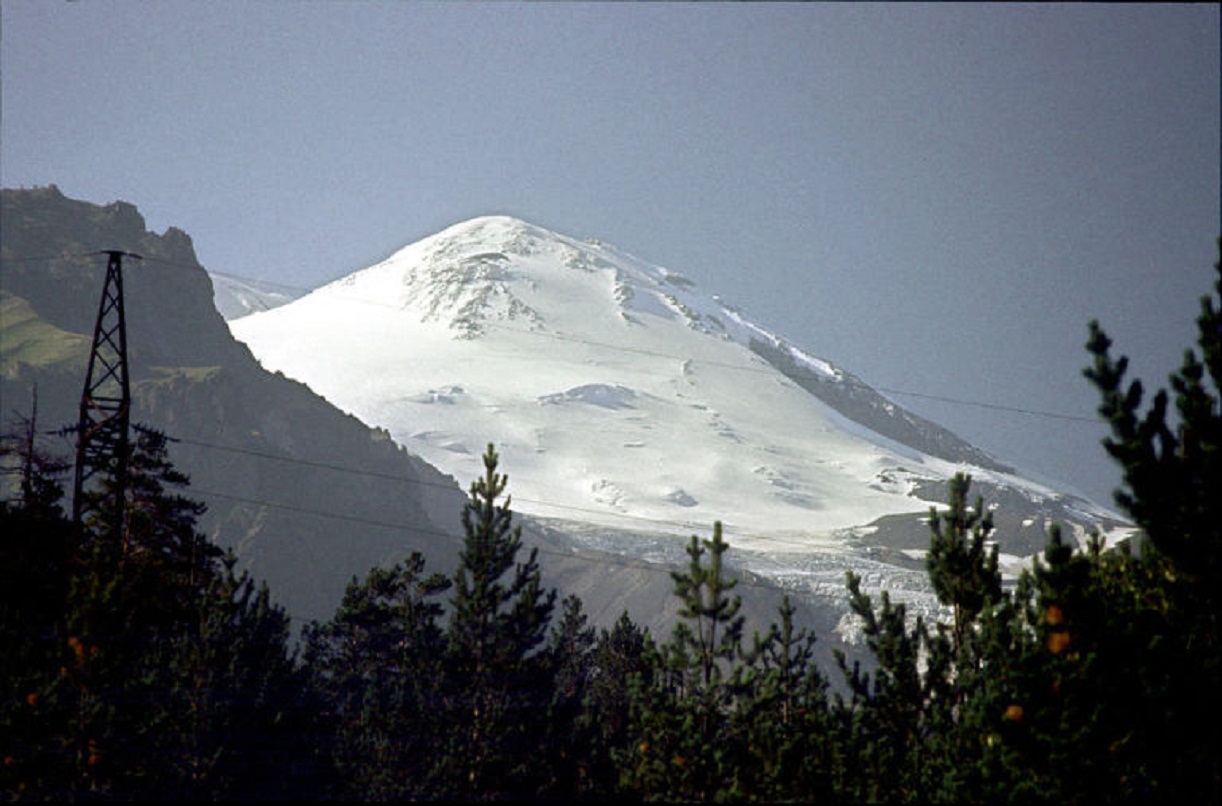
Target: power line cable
(622, 516)
(993, 406)
(36, 258)
(607, 557)
(684, 526)
(796, 376)
(801, 375)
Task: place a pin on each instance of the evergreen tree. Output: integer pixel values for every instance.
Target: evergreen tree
(570, 740)
(679, 715)
(1077, 702)
(377, 665)
(943, 714)
(38, 490)
(1096, 679)
(707, 609)
(36, 544)
(1172, 470)
(880, 725)
(236, 722)
(37, 540)
(163, 563)
(958, 672)
(163, 675)
(963, 572)
(779, 726)
(497, 688)
(621, 656)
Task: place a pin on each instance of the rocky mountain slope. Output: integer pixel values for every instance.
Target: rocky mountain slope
(261, 450)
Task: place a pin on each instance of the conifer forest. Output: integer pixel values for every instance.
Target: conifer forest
(149, 667)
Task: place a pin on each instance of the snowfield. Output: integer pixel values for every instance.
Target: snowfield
(616, 394)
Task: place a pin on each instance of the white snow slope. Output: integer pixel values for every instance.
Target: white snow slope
(234, 298)
(615, 393)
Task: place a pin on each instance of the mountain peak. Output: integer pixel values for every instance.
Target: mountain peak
(491, 226)
(487, 234)
(613, 388)
(487, 270)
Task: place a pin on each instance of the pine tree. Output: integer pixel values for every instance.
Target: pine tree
(779, 725)
(164, 674)
(679, 715)
(621, 658)
(497, 687)
(880, 725)
(234, 713)
(570, 741)
(377, 665)
(39, 491)
(1097, 679)
(1172, 471)
(958, 672)
(36, 545)
(932, 720)
(708, 608)
(37, 540)
(1171, 474)
(962, 569)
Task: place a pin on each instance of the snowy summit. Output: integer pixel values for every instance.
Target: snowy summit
(616, 393)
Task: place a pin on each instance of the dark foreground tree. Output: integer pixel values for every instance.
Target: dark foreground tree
(377, 666)
(622, 658)
(569, 741)
(1095, 679)
(880, 724)
(779, 728)
(36, 546)
(160, 672)
(679, 713)
(497, 685)
(1172, 465)
(710, 719)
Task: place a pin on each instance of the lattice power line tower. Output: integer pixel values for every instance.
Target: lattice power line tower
(105, 414)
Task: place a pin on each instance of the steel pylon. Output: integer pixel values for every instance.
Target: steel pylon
(105, 412)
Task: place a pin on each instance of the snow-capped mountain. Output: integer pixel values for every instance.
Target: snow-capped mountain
(622, 399)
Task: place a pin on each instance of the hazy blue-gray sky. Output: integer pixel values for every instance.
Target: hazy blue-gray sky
(935, 197)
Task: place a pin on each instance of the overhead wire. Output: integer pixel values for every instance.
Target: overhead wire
(797, 376)
(35, 258)
(607, 555)
(801, 375)
(735, 529)
(685, 525)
